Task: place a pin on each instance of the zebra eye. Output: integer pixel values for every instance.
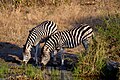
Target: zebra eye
(26, 55)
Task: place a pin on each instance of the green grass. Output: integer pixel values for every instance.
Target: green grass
(111, 34)
(26, 72)
(55, 74)
(106, 47)
(12, 71)
(92, 63)
(33, 72)
(3, 70)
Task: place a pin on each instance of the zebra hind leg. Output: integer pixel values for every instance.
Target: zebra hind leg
(86, 46)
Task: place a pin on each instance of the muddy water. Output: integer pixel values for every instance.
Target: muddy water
(63, 75)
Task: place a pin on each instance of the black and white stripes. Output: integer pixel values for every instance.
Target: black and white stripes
(38, 35)
(67, 39)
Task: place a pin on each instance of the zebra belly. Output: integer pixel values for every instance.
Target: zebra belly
(71, 46)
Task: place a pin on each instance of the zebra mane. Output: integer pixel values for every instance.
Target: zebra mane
(41, 24)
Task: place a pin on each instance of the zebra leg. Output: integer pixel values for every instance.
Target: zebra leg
(54, 55)
(36, 53)
(62, 56)
(62, 59)
(85, 44)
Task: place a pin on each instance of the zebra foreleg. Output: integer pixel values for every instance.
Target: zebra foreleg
(53, 55)
(61, 51)
(36, 53)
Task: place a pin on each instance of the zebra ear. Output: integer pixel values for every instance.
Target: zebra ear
(30, 31)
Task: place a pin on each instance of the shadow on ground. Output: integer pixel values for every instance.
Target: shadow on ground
(10, 52)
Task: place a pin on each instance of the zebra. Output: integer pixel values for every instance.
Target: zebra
(37, 35)
(66, 39)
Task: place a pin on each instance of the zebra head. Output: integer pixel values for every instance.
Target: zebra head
(45, 56)
(26, 54)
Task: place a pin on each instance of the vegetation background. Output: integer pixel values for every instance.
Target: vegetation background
(17, 17)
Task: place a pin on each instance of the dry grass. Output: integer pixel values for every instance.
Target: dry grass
(16, 23)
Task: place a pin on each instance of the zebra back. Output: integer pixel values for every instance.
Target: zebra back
(69, 38)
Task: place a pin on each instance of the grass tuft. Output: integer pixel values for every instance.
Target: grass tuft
(3, 70)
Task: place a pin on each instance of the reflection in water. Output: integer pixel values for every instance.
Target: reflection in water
(52, 74)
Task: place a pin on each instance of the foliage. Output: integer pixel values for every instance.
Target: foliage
(3, 70)
(15, 72)
(33, 72)
(111, 34)
(92, 63)
(106, 46)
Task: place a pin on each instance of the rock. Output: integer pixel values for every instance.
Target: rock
(110, 70)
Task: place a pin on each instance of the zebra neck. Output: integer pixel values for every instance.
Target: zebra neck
(28, 48)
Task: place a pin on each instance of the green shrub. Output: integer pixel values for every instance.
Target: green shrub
(3, 70)
(92, 63)
(106, 47)
(111, 34)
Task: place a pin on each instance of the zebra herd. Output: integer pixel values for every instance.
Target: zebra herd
(47, 32)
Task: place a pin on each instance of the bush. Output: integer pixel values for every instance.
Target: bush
(106, 47)
(111, 34)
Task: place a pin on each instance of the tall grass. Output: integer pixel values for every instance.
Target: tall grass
(3, 70)
(91, 64)
(106, 47)
(4, 4)
(33, 72)
(111, 34)
(20, 72)
(55, 74)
